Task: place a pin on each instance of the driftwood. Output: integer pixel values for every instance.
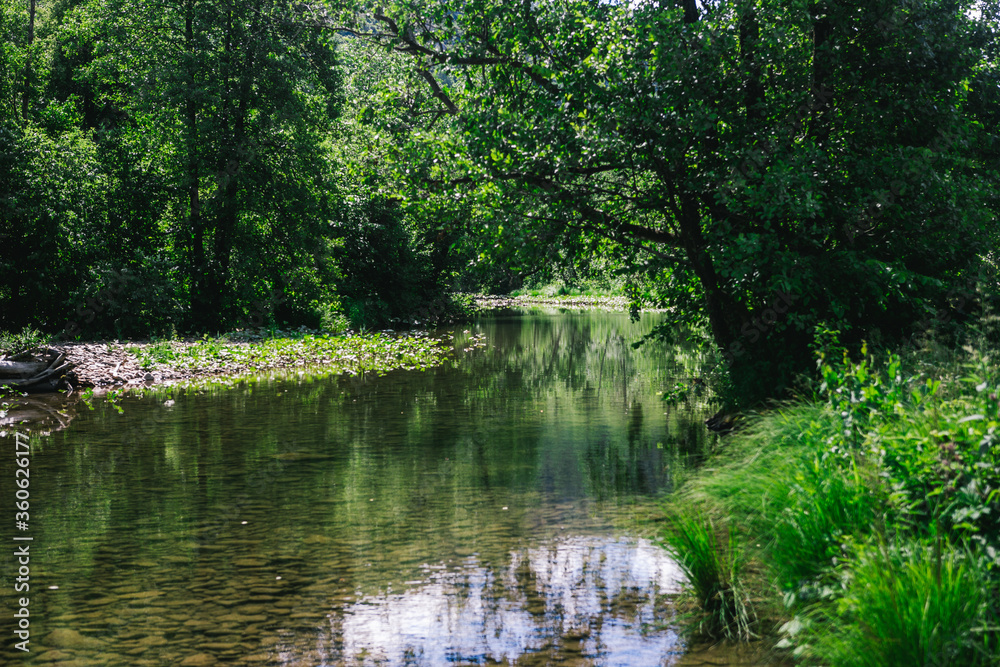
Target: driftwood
(21, 369)
(34, 371)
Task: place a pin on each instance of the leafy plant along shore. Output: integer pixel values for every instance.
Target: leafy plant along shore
(870, 513)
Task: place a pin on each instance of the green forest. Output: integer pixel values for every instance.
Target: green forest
(759, 169)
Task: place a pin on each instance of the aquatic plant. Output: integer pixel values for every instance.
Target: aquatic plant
(351, 353)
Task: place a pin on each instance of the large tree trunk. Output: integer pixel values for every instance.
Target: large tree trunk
(196, 224)
(725, 314)
(753, 87)
(822, 72)
(237, 76)
(27, 63)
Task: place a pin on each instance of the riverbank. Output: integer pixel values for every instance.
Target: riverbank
(116, 366)
(499, 302)
(582, 302)
(111, 364)
(106, 364)
(863, 522)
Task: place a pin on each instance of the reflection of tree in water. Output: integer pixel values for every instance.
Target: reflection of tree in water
(591, 597)
(561, 403)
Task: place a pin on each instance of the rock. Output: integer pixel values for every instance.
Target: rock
(100, 602)
(244, 619)
(66, 638)
(142, 595)
(153, 640)
(54, 654)
(252, 609)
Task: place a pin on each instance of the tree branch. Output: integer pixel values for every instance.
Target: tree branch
(437, 92)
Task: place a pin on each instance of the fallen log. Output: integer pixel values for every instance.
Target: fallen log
(40, 413)
(21, 369)
(44, 371)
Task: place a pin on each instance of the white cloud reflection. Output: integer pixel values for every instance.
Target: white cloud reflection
(587, 598)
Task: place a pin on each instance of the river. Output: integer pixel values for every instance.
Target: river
(495, 510)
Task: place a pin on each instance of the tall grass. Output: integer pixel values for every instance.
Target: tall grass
(823, 507)
(713, 568)
(888, 450)
(908, 606)
(747, 480)
(799, 505)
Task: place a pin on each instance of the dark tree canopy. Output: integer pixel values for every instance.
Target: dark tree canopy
(760, 168)
(824, 154)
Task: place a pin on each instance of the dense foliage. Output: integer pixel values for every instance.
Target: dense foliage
(756, 166)
(190, 166)
(872, 509)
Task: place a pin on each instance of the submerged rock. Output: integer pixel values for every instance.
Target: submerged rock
(66, 638)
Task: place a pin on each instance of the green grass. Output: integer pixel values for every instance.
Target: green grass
(713, 568)
(909, 606)
(821, 509)
(898, 450)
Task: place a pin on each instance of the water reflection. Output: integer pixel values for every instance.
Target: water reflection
(476, 513)
(579, 598)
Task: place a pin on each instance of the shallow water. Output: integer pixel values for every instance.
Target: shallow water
(492, 511)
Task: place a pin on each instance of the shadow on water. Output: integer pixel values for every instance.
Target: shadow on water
(490, 511)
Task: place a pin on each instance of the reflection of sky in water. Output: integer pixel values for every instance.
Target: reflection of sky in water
(585, 596)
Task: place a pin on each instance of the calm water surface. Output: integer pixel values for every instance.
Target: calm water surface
(492, 511)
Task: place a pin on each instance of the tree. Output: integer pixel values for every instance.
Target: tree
(236, 98)
(811, 156)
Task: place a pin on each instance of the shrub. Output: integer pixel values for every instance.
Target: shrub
(138, 302)
(14, 343)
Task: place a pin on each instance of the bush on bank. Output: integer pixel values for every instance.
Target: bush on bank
(872, 509)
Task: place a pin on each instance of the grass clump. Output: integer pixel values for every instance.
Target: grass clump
(815, 510)
(908, 606)
(713, 568)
